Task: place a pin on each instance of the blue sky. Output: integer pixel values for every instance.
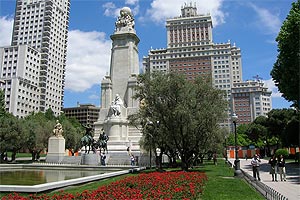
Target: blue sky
(252, 25)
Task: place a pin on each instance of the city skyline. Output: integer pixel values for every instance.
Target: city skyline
(252, 26)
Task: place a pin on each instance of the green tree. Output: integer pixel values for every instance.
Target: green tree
(11, 135)
(2, 104)
(285, 71)
(38, 130)
(72, 132)
(184, 114)
(292, 132)
(277, 122)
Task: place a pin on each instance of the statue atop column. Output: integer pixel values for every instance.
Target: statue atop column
(58, 129)
(125, 20)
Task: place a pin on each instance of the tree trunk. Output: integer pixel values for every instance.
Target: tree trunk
(13, 155)
(33, 155)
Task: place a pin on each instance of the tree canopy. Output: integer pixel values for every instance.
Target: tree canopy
(178, 116)
(285, 71)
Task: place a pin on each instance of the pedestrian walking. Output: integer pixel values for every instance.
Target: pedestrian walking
(273, 169)
(215, 158)
(103, 157)
(281, 168)
(255, 166)
(132, 160)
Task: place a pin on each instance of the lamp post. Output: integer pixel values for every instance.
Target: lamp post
(226, 157)
(150, 146)
(237, 171)
(150, 150)
(265, 143)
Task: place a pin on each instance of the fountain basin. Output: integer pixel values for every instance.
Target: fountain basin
(104, 172)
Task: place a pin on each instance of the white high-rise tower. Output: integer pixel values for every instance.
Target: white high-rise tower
(33, 67)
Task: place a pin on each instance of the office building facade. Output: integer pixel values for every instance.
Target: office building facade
(33, 67)
(84, 113)
(191, 51)
(250, 99)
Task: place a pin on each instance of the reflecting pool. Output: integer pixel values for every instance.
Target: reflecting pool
(40, 176)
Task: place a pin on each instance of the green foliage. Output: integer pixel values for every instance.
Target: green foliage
(184, 115)
(33, 131)
(49, 114)
(283, 152)
(2, 104)
(11, 135)
(285, 71)
(281, 125)
(291, 136)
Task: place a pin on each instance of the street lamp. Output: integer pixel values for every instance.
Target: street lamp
(265, 143)
(151, 136)
(226, 157)
(237, 171)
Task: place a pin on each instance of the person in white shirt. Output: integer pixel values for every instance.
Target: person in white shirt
(255, 166)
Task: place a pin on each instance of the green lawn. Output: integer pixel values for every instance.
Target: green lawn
(220, 185)
(23, 155)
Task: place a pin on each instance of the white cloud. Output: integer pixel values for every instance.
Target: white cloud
(162, 9)
(6, 28)
(88, 56)
(131, 2)
(111, 10)
(272, 87)
(270, 21)
(88, 59)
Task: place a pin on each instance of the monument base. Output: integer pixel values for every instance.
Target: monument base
(90, 159)
(55, 157)
(56, 149)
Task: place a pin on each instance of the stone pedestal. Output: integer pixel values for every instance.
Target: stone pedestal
(90, 159)
(56, 149)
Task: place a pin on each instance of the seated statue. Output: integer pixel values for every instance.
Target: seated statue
(58, 129)
(116, 105)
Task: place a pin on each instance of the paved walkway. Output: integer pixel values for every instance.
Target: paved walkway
(289, 188)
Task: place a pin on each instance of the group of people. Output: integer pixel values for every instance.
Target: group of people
(276, 165)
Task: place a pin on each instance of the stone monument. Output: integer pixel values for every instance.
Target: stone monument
(56, 145)
(117, 90)
(88, 155)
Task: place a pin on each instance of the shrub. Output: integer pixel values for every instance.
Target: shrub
(283, 152)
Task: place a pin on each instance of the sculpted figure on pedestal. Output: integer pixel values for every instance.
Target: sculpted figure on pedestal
(58, 129)
(125, 19)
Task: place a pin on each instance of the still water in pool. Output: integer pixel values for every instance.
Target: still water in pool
(40, 176)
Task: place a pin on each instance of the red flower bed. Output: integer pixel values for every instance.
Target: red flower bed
(167, 185)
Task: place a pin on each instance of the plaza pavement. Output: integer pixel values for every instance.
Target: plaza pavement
(289, 188)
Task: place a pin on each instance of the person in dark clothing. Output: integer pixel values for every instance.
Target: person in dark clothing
(273, 169)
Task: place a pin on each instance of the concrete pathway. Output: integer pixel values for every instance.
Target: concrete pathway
(289, 188)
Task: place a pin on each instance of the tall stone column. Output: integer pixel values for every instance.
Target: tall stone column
(124, 69)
